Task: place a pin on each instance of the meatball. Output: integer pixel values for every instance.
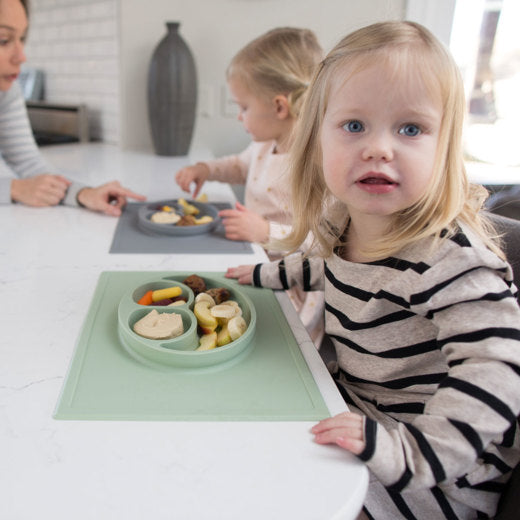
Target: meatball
(219, 294)
(195, 283)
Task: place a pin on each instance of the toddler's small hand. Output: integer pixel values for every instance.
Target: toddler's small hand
(242, 224)
(198, 173)
(345, 430)
(243, 273)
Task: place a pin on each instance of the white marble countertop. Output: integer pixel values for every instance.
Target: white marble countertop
(50, 260)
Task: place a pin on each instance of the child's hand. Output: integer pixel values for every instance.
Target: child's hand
(198, 173)
(243, 273)
(242, 224)
(345, 430)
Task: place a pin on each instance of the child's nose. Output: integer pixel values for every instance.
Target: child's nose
(378, 147)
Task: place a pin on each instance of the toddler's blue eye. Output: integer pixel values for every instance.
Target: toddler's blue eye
(353, 126)
(410, 130)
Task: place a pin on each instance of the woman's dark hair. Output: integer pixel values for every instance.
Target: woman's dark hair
(25, 4)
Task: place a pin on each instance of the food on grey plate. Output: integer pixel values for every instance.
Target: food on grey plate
(165, 217)
(189, 209)
(205, 219)
(156, 325)
(186, 217)
(187, 220)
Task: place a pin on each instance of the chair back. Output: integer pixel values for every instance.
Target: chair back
(509, 504)
(510, 230)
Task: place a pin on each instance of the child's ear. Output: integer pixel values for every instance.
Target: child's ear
(282, 106)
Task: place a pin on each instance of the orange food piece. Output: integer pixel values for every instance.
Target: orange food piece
(146, 298)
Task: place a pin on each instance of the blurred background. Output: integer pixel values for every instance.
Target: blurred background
(96, 53)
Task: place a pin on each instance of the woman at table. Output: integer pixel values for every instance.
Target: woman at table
(24, 174)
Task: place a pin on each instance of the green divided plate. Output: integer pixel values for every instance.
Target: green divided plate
(268, 381)
(181, 350)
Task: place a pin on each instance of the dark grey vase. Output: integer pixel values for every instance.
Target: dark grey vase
(172, 94)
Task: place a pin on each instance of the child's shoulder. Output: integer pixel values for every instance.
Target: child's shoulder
(466, 245)
(462, 252)
(262, 146)
(265, 150)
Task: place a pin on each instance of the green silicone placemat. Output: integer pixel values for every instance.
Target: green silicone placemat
(271, 382)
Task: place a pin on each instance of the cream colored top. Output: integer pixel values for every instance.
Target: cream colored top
(265, 176)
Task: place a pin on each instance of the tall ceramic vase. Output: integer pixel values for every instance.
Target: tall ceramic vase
(172, 94)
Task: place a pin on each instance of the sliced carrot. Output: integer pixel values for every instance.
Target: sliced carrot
(146, 299)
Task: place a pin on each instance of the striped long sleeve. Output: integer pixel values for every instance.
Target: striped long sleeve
(429, 351)
(20, 156)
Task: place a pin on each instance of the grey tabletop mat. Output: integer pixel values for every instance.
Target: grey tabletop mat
(129, 238)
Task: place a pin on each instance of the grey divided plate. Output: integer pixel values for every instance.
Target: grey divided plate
(145, 223)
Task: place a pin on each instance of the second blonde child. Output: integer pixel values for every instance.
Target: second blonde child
(268, 79)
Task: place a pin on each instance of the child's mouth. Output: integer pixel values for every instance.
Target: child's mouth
(376, 184)
(376, 180)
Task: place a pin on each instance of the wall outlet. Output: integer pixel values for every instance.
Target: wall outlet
(206, 105)
(228, 107)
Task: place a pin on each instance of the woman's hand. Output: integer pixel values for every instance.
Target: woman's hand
(39, 191)
(242, 224)
(198, 173)
(243, 273)
(108, 198)
(345, 430)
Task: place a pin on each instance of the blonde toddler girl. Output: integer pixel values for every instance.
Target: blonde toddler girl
(419, 299)
(268, 79)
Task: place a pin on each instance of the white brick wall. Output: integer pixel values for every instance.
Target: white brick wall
(76, 44)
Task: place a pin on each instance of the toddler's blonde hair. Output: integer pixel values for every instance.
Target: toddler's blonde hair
(409, 49)
(281, 61)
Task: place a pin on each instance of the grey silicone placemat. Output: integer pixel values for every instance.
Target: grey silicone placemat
(129, 238)
(270, 382)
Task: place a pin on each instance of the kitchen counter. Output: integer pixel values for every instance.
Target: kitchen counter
(50, 261)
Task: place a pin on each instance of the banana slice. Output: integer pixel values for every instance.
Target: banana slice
(204, 297)
(236, 327)
(165, 217)
(223, 311)
(176, 303)
(189, 209)
(157, 325)
(206, 219)
(208, 341)
(233, 303)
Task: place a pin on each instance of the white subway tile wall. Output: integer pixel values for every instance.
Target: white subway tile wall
(76, 44)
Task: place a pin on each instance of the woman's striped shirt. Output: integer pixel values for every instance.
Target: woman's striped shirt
(19, 154)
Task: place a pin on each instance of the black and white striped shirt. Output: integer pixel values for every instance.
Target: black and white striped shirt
(428, 346)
